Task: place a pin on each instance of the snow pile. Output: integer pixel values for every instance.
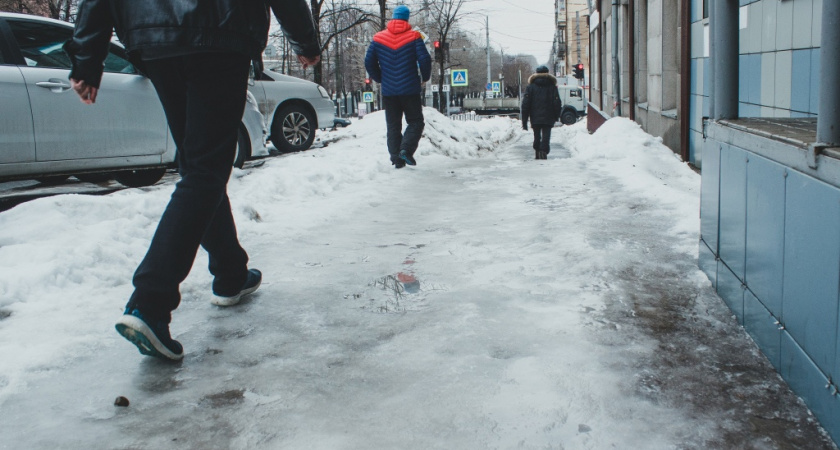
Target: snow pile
(644, 166)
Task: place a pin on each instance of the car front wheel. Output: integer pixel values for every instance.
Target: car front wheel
(293, 129)
(568, 117)
(243, 147)
(140, 177)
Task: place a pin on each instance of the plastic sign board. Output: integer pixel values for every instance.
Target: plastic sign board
(367, 97)
(460, 77)
(445, 88)
(497, 86)
(435, 88)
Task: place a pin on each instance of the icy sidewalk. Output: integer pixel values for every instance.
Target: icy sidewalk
(479, 300)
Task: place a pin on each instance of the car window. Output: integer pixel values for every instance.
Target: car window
(41, 43)
(41, 46)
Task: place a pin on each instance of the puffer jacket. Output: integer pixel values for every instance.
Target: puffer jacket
(200, 25)
(394, 56)
(541, 104)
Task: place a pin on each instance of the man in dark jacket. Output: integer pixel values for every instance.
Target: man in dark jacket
(197, 55)
(392, 60)
(542, 106)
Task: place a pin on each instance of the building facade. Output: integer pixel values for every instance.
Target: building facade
(571, 37)
(748, 91)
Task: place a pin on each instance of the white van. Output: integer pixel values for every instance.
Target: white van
(574, 104)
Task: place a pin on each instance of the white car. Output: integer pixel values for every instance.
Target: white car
(46, 133)
(293, 108)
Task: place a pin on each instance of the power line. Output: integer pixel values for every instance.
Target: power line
(524, 8)
(520, 38)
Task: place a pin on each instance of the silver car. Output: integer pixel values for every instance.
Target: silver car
(293, 108)
(46, 133)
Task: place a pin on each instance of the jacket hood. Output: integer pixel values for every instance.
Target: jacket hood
(542, 79)
(398, 26)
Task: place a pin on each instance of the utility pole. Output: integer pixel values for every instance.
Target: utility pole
(615, 58)
(487, 27)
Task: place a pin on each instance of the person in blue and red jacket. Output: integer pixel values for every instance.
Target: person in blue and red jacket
(398, 60)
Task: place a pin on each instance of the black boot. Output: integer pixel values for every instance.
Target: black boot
(537, 154)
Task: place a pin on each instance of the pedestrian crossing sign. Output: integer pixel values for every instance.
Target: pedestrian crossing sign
(497, 86)
(367, 97)
(459, 77)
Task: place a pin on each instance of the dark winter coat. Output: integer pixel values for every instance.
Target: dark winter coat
(394, 57)
(199, 25)
(541, 103)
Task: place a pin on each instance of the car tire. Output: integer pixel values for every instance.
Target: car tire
(243, 147)
(568, 117)
(293, 129)
(140, 177)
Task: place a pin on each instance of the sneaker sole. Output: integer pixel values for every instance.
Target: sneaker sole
(218, 300)
(139, 334)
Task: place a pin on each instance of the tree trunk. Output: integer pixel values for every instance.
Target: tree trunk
(382, 10)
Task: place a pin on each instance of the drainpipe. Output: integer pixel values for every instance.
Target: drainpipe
(615, 58)
(725, 59)
(828, 121)
(711, 87)
(631, 58)
(602, 58)
(685, 79)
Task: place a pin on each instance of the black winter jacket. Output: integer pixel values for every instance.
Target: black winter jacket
(203, 25)
(541, 103)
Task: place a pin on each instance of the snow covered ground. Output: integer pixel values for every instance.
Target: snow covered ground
(481, 299)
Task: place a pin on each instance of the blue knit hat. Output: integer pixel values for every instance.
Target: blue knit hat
(402, 12)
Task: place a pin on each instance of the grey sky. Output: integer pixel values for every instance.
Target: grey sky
(517, 26)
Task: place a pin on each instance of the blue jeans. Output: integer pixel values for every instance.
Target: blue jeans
(203, 96)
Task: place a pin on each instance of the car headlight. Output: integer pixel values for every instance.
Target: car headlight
(323, 91)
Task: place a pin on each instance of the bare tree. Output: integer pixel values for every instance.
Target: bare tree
(442, 16)
(55, 9)
(382, 11)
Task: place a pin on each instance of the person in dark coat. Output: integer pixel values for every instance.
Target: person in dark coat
(393, 60)
(197, 54)
(542, 106)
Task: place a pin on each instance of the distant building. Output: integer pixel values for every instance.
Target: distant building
(571, 37)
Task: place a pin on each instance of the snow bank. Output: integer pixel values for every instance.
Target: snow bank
(644, 166)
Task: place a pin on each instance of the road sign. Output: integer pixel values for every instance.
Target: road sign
(435, 88)
(489, 87)
(367, 97)
(445, 88)
(460, 77)
(497, 86)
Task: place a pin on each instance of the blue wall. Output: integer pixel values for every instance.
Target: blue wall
(770, 243)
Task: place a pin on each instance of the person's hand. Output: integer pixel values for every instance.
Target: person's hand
(86, 92)
(308, 60)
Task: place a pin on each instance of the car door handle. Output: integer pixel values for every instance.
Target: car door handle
(54, 85)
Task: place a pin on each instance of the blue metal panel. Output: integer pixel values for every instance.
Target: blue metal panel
(754, 71)
(732, 243)
(751, 110)
(731, 290)
(695, 88)
(805, 378)
(707, 262)
(709, 194)
(812, 267)
(763, 328)
(743, 78)
(815, 81)
(765, 231)
(800, 97)
(707, 75)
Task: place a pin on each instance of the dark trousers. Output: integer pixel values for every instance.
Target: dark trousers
(542, 137)
(203, 96)
(395, 107)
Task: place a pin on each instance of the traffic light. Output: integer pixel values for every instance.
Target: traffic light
(438, 51)
(578, 71)
(368, 87)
